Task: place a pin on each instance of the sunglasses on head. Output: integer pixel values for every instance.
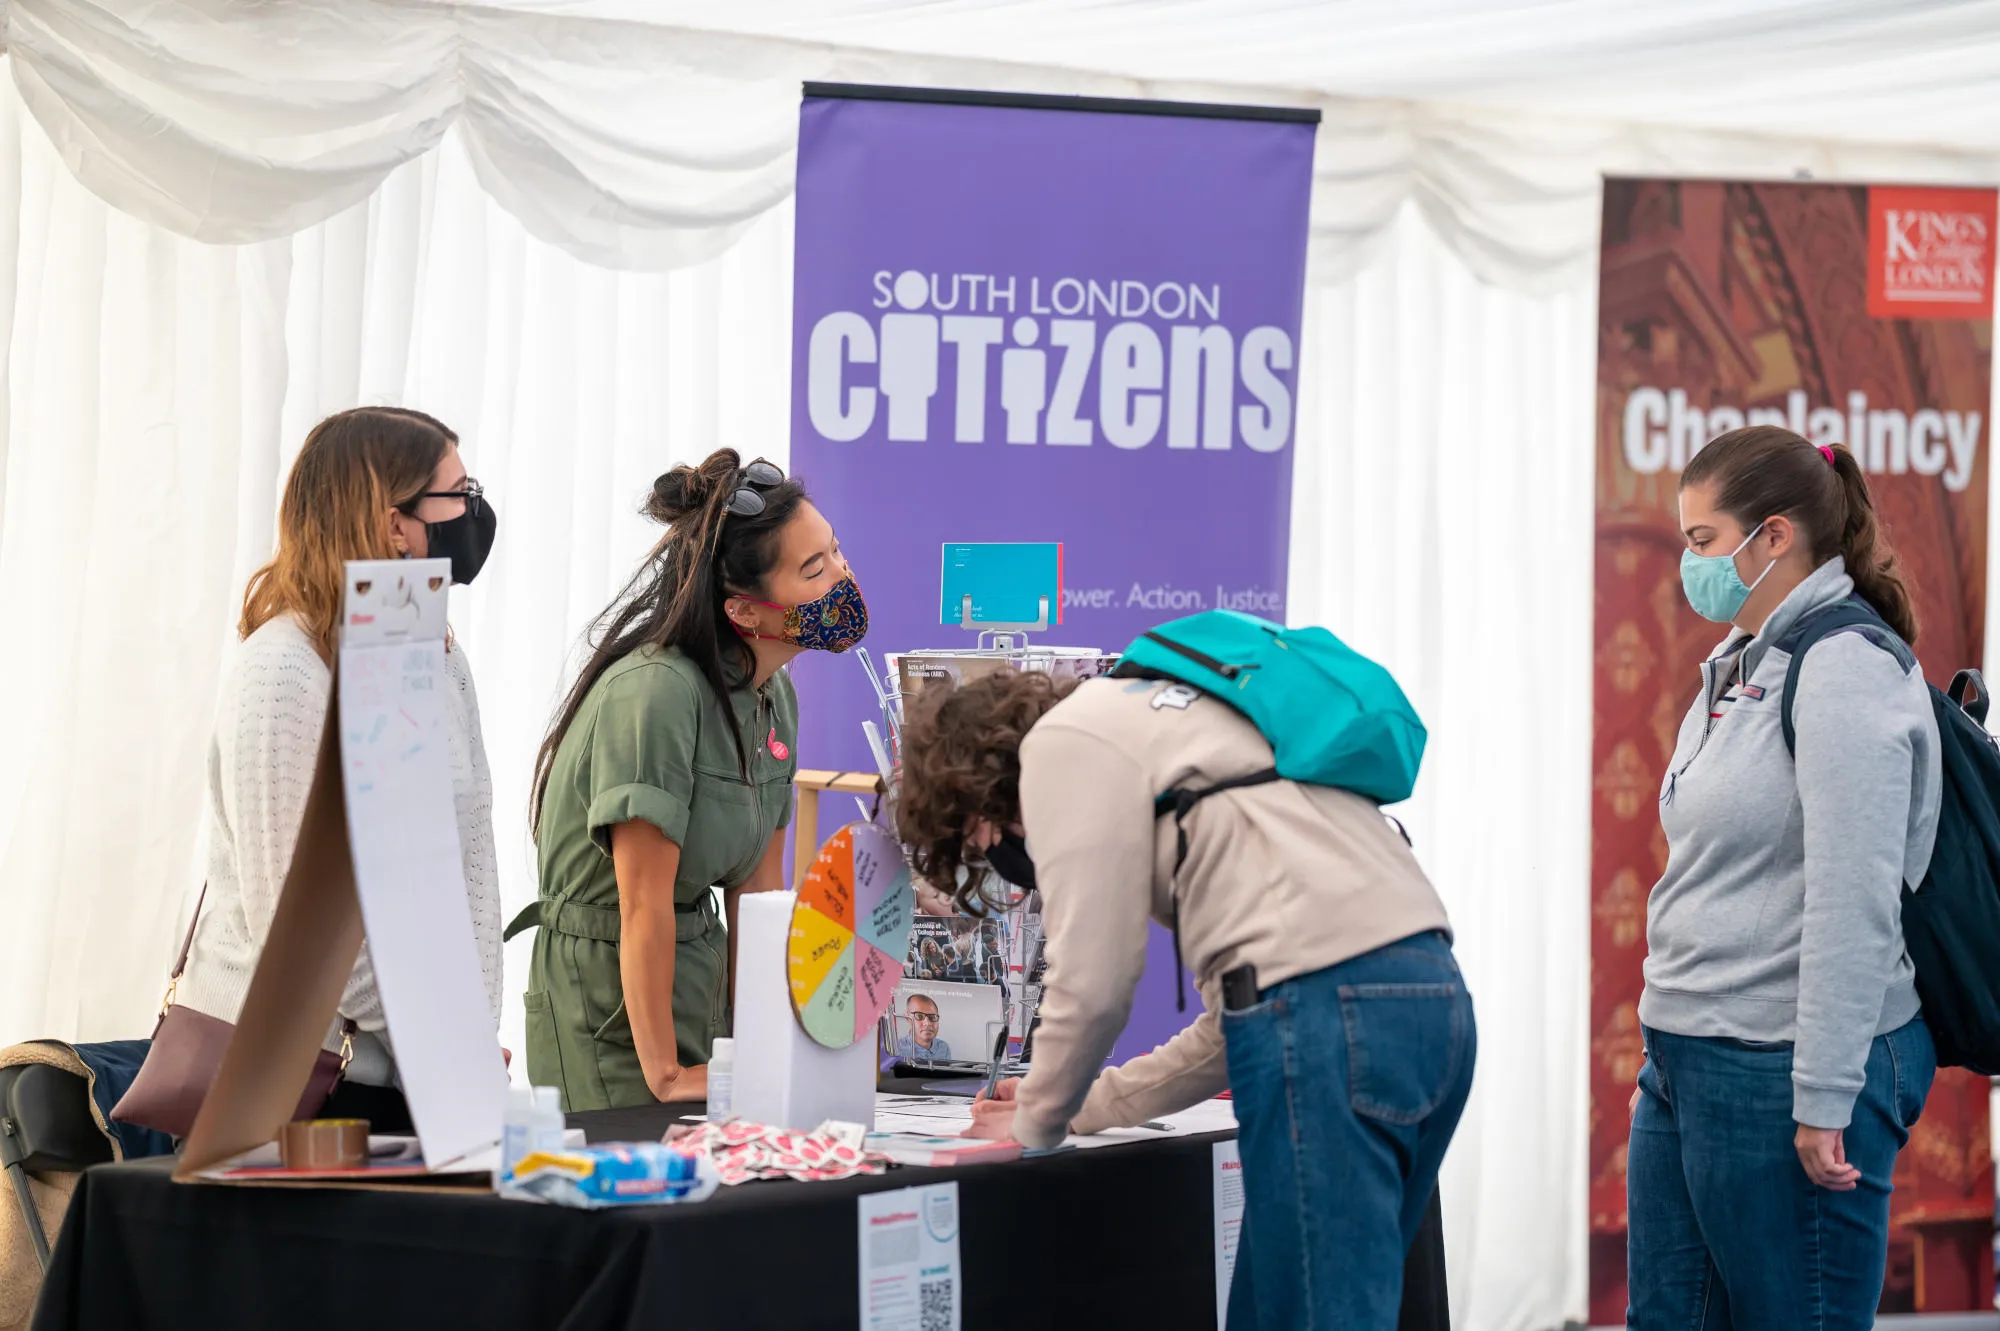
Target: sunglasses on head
(746, 502)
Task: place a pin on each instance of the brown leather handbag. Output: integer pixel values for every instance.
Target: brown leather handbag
(187, 1051)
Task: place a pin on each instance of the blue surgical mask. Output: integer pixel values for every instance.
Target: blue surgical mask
(1713, 586)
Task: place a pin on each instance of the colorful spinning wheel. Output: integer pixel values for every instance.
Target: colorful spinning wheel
(850, 935)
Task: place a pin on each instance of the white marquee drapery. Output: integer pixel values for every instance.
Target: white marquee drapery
(650, 134)
(565, 228)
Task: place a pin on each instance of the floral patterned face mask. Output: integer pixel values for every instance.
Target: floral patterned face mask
(833, 623)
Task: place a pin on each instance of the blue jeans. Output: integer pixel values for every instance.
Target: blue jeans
(1347, 1083)
(1726, 1229)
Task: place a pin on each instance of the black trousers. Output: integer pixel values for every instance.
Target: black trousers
(387, 1112)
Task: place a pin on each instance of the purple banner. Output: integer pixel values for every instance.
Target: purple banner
(1013, 323)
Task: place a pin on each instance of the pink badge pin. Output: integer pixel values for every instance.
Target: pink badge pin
(776, 745)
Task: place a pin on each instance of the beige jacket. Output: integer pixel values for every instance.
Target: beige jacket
(1289, 878)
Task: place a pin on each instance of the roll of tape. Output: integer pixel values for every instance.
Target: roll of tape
(324, 1143)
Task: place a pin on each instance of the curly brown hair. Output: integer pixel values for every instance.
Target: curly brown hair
(961, 762)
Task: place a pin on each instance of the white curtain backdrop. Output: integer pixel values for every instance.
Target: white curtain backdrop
(648, 134)
(159, 389)
(1443, 523)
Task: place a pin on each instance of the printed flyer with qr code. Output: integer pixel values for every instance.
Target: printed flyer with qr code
(909, 1277)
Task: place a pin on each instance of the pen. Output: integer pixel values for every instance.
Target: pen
(1158, 1127)
(999, 1052)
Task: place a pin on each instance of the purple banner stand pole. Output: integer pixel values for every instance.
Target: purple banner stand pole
(1045, 319)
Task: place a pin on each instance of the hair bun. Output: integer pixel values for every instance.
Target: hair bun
(685, 491)
(678, 494)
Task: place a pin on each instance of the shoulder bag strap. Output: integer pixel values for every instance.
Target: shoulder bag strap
(187, 946)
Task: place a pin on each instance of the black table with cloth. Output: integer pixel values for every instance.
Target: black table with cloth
(1111, 1237)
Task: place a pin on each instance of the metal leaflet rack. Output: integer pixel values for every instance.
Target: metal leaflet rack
(1006, 642)
(1021, 920)
(1002, 635)
(888, 754)
(1009, 643)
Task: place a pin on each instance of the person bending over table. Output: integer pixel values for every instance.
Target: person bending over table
(1345, 1030)
(371, 483)
(668, 771)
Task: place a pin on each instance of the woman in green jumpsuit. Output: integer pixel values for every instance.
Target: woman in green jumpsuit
(668, 772)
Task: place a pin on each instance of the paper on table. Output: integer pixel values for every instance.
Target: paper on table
(909, 1273)
(1208, 1116)
(937, 1115)
(390, 1159)
(409, 873)
(1228, 1222)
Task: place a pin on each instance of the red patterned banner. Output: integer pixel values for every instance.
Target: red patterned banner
(1725, 304)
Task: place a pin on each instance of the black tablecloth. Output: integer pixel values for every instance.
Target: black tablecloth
(1113, 1237)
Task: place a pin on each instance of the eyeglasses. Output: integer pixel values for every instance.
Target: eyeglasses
(746, 502)
(471, 492)
(930, 1018)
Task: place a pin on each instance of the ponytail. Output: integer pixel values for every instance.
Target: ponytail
(1871, 561)
(1767, 471)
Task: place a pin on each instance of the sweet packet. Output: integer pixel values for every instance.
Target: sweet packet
(740, 1151)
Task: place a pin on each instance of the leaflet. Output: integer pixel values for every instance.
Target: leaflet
(909, 1273)
(1228, 1222)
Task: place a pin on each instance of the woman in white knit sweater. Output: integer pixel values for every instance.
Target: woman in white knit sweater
(371, 483)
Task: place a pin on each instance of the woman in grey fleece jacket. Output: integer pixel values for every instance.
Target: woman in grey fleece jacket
(1785, 1056)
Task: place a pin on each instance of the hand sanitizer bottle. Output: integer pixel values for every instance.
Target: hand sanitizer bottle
(722, 1080)
(516, 1130)
(548, 1121)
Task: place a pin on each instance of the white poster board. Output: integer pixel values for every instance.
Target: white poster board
(377, 857)
(409, 871)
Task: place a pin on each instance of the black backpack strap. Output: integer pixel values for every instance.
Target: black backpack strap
(1803, 636)
(1180, 802)
(1200, 658)
(1968, 690)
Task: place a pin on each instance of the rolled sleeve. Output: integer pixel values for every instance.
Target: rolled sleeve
(637, 803)
(642, 748)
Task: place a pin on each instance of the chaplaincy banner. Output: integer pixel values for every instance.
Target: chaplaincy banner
(1854, 315)
(1045, 319)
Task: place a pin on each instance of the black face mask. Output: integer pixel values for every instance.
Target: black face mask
(465, 540)
(1008, 857)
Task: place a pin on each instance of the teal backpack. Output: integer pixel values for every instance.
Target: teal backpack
(1333, 717)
